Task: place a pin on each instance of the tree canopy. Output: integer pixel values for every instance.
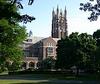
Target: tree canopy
(48, 63)
(92, 6)
(76, 50)
(11, 33)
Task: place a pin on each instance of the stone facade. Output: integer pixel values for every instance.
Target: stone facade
(39, 50)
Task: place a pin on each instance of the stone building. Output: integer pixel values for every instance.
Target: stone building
(37, 49)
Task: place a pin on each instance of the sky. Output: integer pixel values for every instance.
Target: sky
(42, 11)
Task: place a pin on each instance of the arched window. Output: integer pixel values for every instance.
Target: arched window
(31, 64)
(23, 65)
(49, 51)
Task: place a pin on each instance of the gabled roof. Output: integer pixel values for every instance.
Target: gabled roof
(34, 40)
(56, 39)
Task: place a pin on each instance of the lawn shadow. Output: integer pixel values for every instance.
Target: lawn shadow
(61, 82)
(33, 83)
(22, 77)
(40, 79)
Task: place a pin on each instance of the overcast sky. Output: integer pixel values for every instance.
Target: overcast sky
(42, 11)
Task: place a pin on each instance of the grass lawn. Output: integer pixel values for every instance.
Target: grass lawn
(45, 82)
(25, 82)
(46, 79)
(88, 77)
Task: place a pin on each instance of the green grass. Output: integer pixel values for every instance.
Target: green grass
(14, 81)
(24, 82)
(42, 82)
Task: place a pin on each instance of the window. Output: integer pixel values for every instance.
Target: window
(49, 50)
(29, 40)
(49, 44)
(26, 53)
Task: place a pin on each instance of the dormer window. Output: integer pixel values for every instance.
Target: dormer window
(29, 40)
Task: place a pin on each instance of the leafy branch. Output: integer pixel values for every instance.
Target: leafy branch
(23, 18)
(93, 8)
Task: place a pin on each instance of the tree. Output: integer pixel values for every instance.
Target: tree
(67, 49)
(93, 8)
(88, 47)
(11, 33)
(96, 36)
(9, 6)
(76, 50)
(48, 63)
(19, 2)
(16, 65)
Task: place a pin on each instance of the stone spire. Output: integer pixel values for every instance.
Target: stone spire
(60, 12)
(65, 17)
(53, 13)
(57, 10)
(65, 12)
(59, 24)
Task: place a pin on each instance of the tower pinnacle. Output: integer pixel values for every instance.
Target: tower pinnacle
(65, 12)
(59, 24)
(53, 13)
(57, 9)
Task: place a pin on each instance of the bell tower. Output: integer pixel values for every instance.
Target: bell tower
(59, 24)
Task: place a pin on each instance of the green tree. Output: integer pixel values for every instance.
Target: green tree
(76, 50)
(88, 48)
(11, 33)
(67, 50)
(48, 63)
(96, 36)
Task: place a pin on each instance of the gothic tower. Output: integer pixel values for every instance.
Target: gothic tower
(59, 24)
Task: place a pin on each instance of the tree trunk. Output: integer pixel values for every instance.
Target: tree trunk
(77, 71)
